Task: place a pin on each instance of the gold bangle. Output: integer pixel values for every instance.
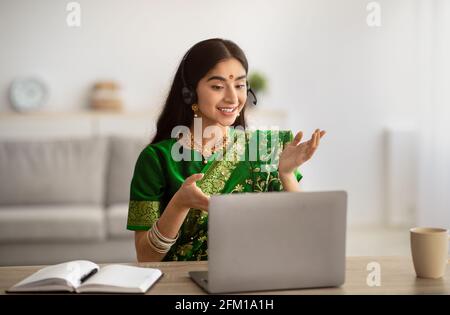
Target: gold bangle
(153, 246)
(162, 237)
(157, 242)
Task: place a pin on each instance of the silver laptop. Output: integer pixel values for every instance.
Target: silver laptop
(274, 241)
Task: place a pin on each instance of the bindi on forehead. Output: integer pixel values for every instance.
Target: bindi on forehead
(231, 76)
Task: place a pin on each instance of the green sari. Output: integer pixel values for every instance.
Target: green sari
(238, 168)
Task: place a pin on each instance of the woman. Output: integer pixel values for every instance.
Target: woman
(175, 174)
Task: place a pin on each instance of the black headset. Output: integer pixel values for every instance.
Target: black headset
(190, 96)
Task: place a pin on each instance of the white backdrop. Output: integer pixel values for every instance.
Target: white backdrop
(434, 172)
(326, 67)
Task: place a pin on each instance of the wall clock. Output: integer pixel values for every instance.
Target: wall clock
(27, 94)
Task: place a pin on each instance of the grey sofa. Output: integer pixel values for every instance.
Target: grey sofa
(66, 199)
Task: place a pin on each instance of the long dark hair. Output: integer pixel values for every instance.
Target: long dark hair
(201, 58)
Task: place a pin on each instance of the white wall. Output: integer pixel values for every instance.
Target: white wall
(353, 81)
(327, 68)
(434, 170)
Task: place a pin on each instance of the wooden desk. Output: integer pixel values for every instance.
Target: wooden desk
(397, 277)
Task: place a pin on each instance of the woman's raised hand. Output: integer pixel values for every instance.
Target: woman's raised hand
(189, 195)
(296, 153)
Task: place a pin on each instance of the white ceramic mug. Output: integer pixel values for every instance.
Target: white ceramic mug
(429, 248)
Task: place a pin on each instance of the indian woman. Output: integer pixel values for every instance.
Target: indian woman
(203, 147)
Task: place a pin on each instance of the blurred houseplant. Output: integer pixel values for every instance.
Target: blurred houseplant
(258, 82)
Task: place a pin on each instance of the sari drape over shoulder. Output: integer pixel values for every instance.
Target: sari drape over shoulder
(248, 164)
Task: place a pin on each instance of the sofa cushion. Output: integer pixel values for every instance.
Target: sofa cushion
(124, 152)
(51, 223)
(53, 171)
(116, 221)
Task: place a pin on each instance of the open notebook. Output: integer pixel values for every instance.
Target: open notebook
(85, 276)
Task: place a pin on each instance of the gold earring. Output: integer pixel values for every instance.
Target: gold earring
(195, 109)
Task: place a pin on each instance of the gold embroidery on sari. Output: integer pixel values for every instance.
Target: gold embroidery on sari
(143, 213)
(220, 171)
(263, 184)
(272, 156)
(238, 188)
(216, 177)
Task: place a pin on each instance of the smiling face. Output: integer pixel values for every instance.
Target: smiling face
(222, 93)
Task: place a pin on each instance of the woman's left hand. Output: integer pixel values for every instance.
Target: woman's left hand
(295, 154)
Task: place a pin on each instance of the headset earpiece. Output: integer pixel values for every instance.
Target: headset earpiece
(189, 96)
(251, 94)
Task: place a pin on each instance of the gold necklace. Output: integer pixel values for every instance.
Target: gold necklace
(203, 150)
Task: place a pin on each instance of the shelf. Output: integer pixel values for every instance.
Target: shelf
(82, 123)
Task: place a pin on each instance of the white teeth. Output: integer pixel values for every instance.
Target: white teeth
(227, 110)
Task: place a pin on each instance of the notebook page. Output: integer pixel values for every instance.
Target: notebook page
(122, 276)
(71, 272)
